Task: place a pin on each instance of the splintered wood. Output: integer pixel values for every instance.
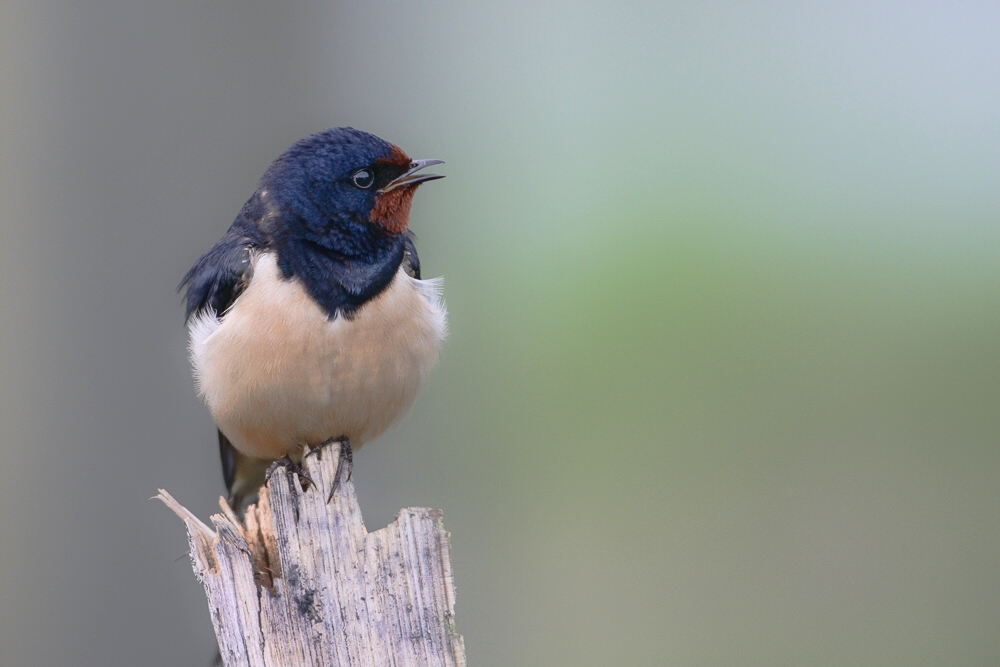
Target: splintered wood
(302, 583)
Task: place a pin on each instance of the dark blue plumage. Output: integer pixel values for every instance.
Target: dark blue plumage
(310, 211)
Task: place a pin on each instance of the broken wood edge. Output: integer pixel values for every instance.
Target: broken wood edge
(300, 581)
(200, 537)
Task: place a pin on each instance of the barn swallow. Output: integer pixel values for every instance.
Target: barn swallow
(309, 322)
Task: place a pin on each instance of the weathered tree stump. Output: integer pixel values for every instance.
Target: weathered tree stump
(300, 582)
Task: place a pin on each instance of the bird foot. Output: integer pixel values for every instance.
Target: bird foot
(291, 468)
(346, 458)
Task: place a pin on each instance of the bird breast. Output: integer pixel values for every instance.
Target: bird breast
(278, 374)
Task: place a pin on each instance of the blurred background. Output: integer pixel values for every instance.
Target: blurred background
(723, 382)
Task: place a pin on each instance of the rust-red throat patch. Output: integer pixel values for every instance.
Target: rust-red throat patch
(392, 209)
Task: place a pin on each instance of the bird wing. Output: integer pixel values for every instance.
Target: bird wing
(219, 277)
(411, 263)
(213, 284)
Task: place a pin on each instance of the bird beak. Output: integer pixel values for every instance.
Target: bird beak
(410, 177)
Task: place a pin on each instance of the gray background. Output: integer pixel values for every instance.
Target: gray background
(722, 386)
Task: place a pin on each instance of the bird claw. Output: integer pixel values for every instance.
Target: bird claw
(346, 454)
(292, 468)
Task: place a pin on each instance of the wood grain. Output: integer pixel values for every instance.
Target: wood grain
(301, 582)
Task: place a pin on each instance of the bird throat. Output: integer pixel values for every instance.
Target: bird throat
(342, 283)
(392, 209)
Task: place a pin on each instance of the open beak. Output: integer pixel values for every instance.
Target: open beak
(411, 177)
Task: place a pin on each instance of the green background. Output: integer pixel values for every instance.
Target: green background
(723, 381)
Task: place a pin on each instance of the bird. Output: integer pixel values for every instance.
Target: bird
(309, 322)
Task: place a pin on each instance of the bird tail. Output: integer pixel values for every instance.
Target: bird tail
(244, 475)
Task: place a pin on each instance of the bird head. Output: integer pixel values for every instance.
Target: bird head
(344, 178)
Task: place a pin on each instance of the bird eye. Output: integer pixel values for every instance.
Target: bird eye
(363, 178)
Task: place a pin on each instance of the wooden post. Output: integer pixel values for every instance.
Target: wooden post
(300, 582)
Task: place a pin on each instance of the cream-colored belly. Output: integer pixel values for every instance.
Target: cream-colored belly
(278, 375)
